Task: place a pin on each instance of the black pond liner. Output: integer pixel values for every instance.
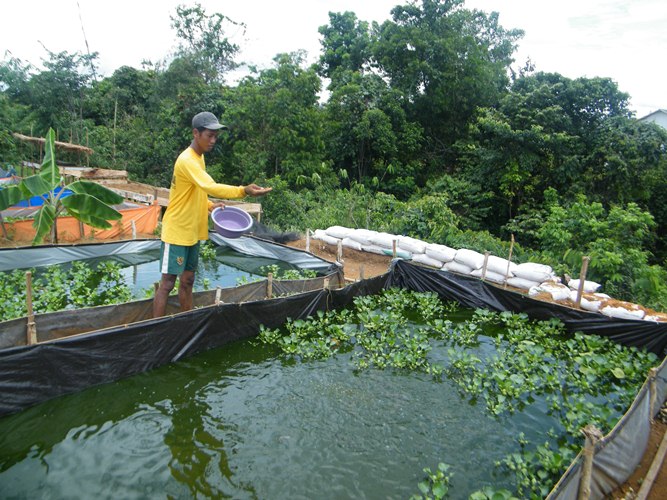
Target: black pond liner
(132, 344)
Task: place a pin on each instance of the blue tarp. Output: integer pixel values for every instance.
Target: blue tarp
(38, 201)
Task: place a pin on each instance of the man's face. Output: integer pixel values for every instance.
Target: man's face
(206, 139)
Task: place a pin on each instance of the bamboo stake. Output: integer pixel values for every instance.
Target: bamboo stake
(593, 435)
(393, 248)
(308, 240)
(509, 260)
(32, 330)
(218, 295)
(486, 262)
(582, 278)
(134, 229)
(339, 251)
(269, 286)
(361, 272)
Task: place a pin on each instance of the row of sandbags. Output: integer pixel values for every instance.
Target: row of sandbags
(538, 280)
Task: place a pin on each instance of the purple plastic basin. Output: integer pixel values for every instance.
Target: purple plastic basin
(231, 222)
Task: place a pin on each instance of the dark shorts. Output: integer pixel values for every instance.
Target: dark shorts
(174, 259)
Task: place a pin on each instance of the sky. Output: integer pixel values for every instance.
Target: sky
(625, 40)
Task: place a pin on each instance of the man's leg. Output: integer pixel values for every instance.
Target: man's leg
(162, 294)
(186, 282)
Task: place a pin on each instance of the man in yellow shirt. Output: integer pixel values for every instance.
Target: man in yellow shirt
(185, 221)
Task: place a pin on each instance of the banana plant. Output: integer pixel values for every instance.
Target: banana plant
(89, 202)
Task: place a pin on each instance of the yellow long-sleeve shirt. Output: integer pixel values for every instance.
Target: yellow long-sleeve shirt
(185, 221)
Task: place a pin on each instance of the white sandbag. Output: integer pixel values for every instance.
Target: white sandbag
(321, 235)
(350, 243)
(362, 236)
(470, 258)
(627, 312)
(400, 254)
(533, 272)
(589, 286)
(499, 265)
(422, 258)
(373, 249)
(412, 245)
(521, 283)
(339, 232)
(457, 267)
(588, 301)
(556, 290)
(657, 318)
(440, 252)
(489, 276)
(385, 240)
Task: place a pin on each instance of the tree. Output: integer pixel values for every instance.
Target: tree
(203, 41)
(89, 202)
(346, 45)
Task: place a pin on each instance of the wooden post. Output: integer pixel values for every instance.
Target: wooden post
(134, 229)
(325, 284)
(269, 286)
(81, 230)
(308, 240)
(4, 229)
(361, 272)
(509, 260)
(653, 392)
(593, 435)
(582, 278)
(339, 251)
(486, 263)
(393, 249)
(218, 295)
(32, 330)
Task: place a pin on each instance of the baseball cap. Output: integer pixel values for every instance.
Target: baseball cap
(207, 120)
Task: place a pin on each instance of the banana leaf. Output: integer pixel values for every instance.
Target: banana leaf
(49, 175)
(43, 222)
(100, 192)
(9, 196)
(84, 205)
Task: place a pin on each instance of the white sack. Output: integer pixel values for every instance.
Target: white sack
(532, 271)
(422, 258)
(373, 249)
(521, 283)
(622, 312)
(457, 267)
(339, 232)
(556, 290)
(412, 245)
(498, 265)
(383, 240)
(362, 236)
(470, 258)
(400, 254)
(589, 286)
(588, 301)
(440, 252)
(319, 234)
(489, 276)
(350, 243)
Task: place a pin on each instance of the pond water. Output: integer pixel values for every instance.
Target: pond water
(240, 422)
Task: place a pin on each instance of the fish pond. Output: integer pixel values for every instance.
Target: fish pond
(400, 396)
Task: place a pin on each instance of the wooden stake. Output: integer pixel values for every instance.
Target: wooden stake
(269, 286)
(486, 262)
(393, 248)
(218, 295)
(134, 229)
(593, 435)
(308, 240)
(32, 330)
(4, 229)
(653, 392)
(339, 251)
(509, 260)
(361, 272)
(582, 278)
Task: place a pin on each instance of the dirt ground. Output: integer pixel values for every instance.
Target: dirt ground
(374, 265)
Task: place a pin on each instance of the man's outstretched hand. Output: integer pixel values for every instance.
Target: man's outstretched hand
(255, 190)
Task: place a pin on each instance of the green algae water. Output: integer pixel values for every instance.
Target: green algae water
(240, 422)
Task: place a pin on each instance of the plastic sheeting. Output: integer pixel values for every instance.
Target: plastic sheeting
(476, 293)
